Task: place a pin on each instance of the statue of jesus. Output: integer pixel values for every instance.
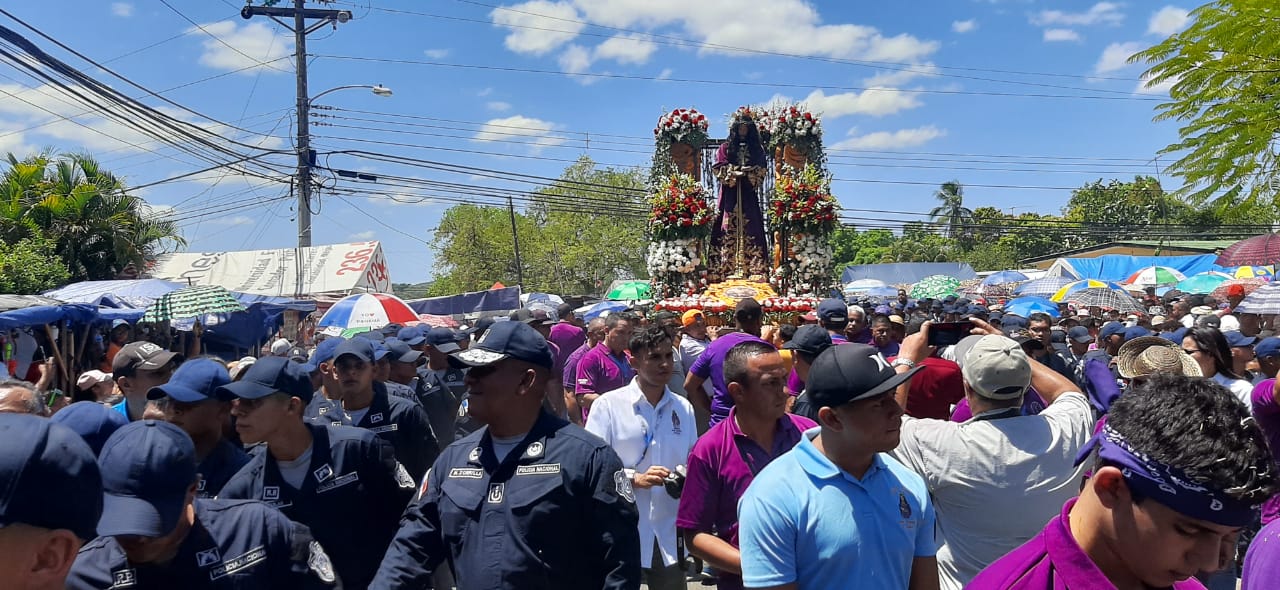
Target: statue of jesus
(738, 244)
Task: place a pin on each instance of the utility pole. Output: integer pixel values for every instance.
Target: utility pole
(300, 14)
(515, 237)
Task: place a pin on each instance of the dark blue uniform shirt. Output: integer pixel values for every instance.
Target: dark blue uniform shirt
(233, 544)
(402, 423)
(439, 394)
(352, 497)
(557, 514)
(326, 412)
(225, 461)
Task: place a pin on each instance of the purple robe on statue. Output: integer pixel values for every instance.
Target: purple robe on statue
(723, 233)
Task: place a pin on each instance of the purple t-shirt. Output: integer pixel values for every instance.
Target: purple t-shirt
(721, 466)
(601, 371)
(1267, 412)
(794, 383)
(1032, 404)
(711, 366)
(1052, 561)
(569, 377)
(863, 337)
(1262, 562)
(568, 337)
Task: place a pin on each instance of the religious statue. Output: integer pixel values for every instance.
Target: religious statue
(738, 238)
(686, 159)
(791, 155)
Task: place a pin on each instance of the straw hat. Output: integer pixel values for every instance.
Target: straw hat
(1148, 355)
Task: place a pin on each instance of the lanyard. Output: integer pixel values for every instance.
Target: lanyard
(648, 433)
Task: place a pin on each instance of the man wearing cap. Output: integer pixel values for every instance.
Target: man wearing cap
(805, 346)
(325, 406)
(343, 482)
(95, 386)
(1156, 508)
(838, 492)
(542, 321)
(996, 478)
(189, 402)
(596, 331)
(1040, 327)
(526, 501)
(1267, 351)
(651, 429)
(749, 315)
(727, 458)
(396, 420)
(94, 422)
(137, 368)
(693, 342)
(1078, 341)
(1242, 354)
(39, 538)
(155, 533)
(605, 367)
(440, 388)
(402, 369)
(882, 336)
(833, 316)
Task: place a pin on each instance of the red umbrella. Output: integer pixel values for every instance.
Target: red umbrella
(1255, 251)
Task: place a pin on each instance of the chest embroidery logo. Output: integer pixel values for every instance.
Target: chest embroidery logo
(323, 473)
(475, 455)
(207, 557)
(124, 578)
(270, 493)
(495, 493)
(675, 423)
(903, 506)
(535, 450)
(376, 418)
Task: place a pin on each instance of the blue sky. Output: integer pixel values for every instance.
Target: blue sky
(913, 94)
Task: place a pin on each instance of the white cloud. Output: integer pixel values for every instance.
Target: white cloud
(551, 24)
(122, 9)
(1168, 20)
(498, 106)
(436, 53)
(901, 76)
(965, 26)
(232, 221)
(361, 236)
(1116, 56)
(1161, 88)
(664, 74)
(238, 46)
(875, 102)
(575, 59)
(626, 49)
(517, 128)
(888, 140)
(150, 210)
(1102, 13)
(484, 92)
(1052, 35)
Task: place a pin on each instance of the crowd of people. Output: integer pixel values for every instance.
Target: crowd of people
(852, 446)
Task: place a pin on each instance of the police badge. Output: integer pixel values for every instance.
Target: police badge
(623, 484)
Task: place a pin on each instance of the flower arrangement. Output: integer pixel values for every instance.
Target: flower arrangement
(803, 202)
(810, 267)
(680, 209)
(792, 124)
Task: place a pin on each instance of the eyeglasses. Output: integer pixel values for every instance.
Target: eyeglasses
(1191, 351)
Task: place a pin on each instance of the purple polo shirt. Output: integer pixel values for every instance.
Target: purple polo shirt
(863, 337)
(1052, 561)
(569, 377)
(601, 371)
(711, 366)
(568, 337)
(1266, 410)
(721, 465)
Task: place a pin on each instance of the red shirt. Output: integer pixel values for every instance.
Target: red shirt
(934, 389)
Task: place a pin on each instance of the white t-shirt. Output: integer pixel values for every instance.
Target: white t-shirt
(1239, 387)
(995, 483)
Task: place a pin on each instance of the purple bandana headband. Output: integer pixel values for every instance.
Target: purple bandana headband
(1166, 484)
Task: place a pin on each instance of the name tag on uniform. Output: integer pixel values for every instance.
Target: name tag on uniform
(124, 578)
(543, 469)
(337, 483)
(249, 559)
(387, 428)
(467, 473)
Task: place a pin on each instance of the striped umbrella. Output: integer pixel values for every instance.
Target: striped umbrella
(1106, 299)
(1202, 283)
(1043, 287)
(1249, 285)
(1253, 272)
(192, 302)
(1155, 276)
(1061, 294)
(935, 287)
(366, 311)
(1265, 300)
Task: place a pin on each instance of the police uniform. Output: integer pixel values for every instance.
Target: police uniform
(401, 390)
(216, 469)
(440, 394)
(352, 496)
(232, 544)
(326, 412)
(403, 424)
(557, 513)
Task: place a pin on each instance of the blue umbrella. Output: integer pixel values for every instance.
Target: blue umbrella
(604, 308)
(1004, 276)
(1025, 306)
(1044, 287)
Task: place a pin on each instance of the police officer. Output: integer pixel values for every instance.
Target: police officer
(41, 460)
(155, 533)
(325, 406)
(396, 420)
(403, 365)
(528, 501)
(441, 387)
(342, 482)
(188, 402)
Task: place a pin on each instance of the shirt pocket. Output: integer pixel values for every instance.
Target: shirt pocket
(539, 505)
(460, 501)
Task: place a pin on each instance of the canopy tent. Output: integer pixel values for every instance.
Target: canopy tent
(502, 299)
(907, 273)
(1118, 267)
(335, 270)
(136, 294)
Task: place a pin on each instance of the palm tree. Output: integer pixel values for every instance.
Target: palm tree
(952, 212)
(97, 227)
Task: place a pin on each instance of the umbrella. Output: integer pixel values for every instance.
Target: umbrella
(1154, 276)
(602, 309)
(1253, 272)
(630, 291)
(1072, 287)
(862, 285)
(1258, 250)
(1264, 300)
(1106, 299)
(437, 321)
(1202, 283)
(1025, 306)
(1249, 285)
(554, 300)
(1043, 287)
(935, 287)
(1004, 276)
(192, 302)
(364, 312)
(12, 302)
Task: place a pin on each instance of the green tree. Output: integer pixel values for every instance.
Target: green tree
(29, 266)
(1223, 70)
(921, 247)
(851, 247)
(95, 226)
(988, 225)
(951, 213)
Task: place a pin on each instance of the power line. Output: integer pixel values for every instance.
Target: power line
(219, 39)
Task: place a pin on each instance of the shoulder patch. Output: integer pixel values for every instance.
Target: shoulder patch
(622, 484)
(319, 563)
(402, 477)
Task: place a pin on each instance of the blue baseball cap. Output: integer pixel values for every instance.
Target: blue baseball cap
(1135, 332)
(400, 351)
(1079, 334)
(194, 381)
(1013, 321)
(514, 340)
(1235, 339)
(380, 351)
(94, 422)
(323, 353)
(412, 335)
(1112, 329)
(270, 375)
(371, 335)
(833, 310)
(41, 461)
(361, 348)
(1267, 347)
(443, 340)
(147, 467)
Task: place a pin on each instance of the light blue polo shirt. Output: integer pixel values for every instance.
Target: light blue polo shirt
(805, 520)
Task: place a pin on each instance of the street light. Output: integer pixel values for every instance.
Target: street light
(304, 152)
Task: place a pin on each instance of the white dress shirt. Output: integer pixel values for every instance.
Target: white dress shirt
(643, 436)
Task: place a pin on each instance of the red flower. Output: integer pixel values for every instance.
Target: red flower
(671, 218)
(685, 117)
